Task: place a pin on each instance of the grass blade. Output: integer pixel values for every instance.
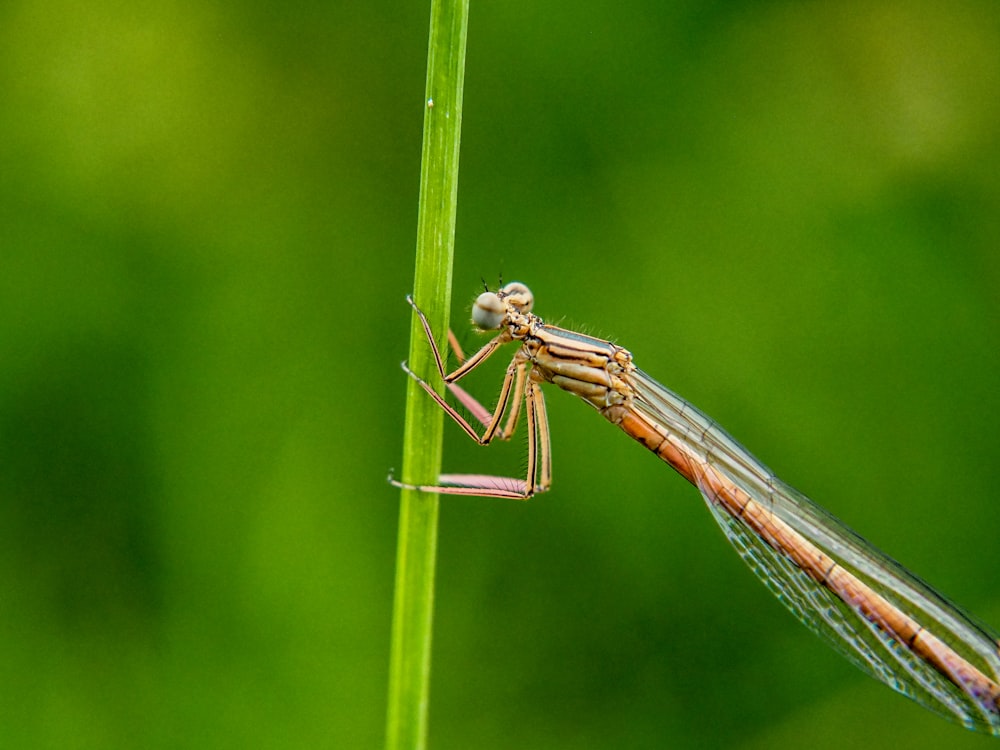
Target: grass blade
(409, 671)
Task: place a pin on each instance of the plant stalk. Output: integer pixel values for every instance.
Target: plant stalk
(413, 609)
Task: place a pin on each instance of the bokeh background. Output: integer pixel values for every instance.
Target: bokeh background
(789, 212)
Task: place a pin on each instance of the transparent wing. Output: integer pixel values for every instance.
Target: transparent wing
(971, 697)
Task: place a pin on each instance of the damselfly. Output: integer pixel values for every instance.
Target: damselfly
(876, 613)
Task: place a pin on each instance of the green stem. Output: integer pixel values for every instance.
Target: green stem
(409, 669)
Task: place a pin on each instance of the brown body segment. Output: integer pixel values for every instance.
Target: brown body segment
(809, 558)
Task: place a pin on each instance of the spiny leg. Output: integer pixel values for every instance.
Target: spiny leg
(516, 380)
(539, 473)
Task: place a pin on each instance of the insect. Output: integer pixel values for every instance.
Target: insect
(871, 609)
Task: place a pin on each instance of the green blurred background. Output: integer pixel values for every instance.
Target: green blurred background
(789, 212)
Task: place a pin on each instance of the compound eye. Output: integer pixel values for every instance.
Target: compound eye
(518, 296)
(488, 311)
